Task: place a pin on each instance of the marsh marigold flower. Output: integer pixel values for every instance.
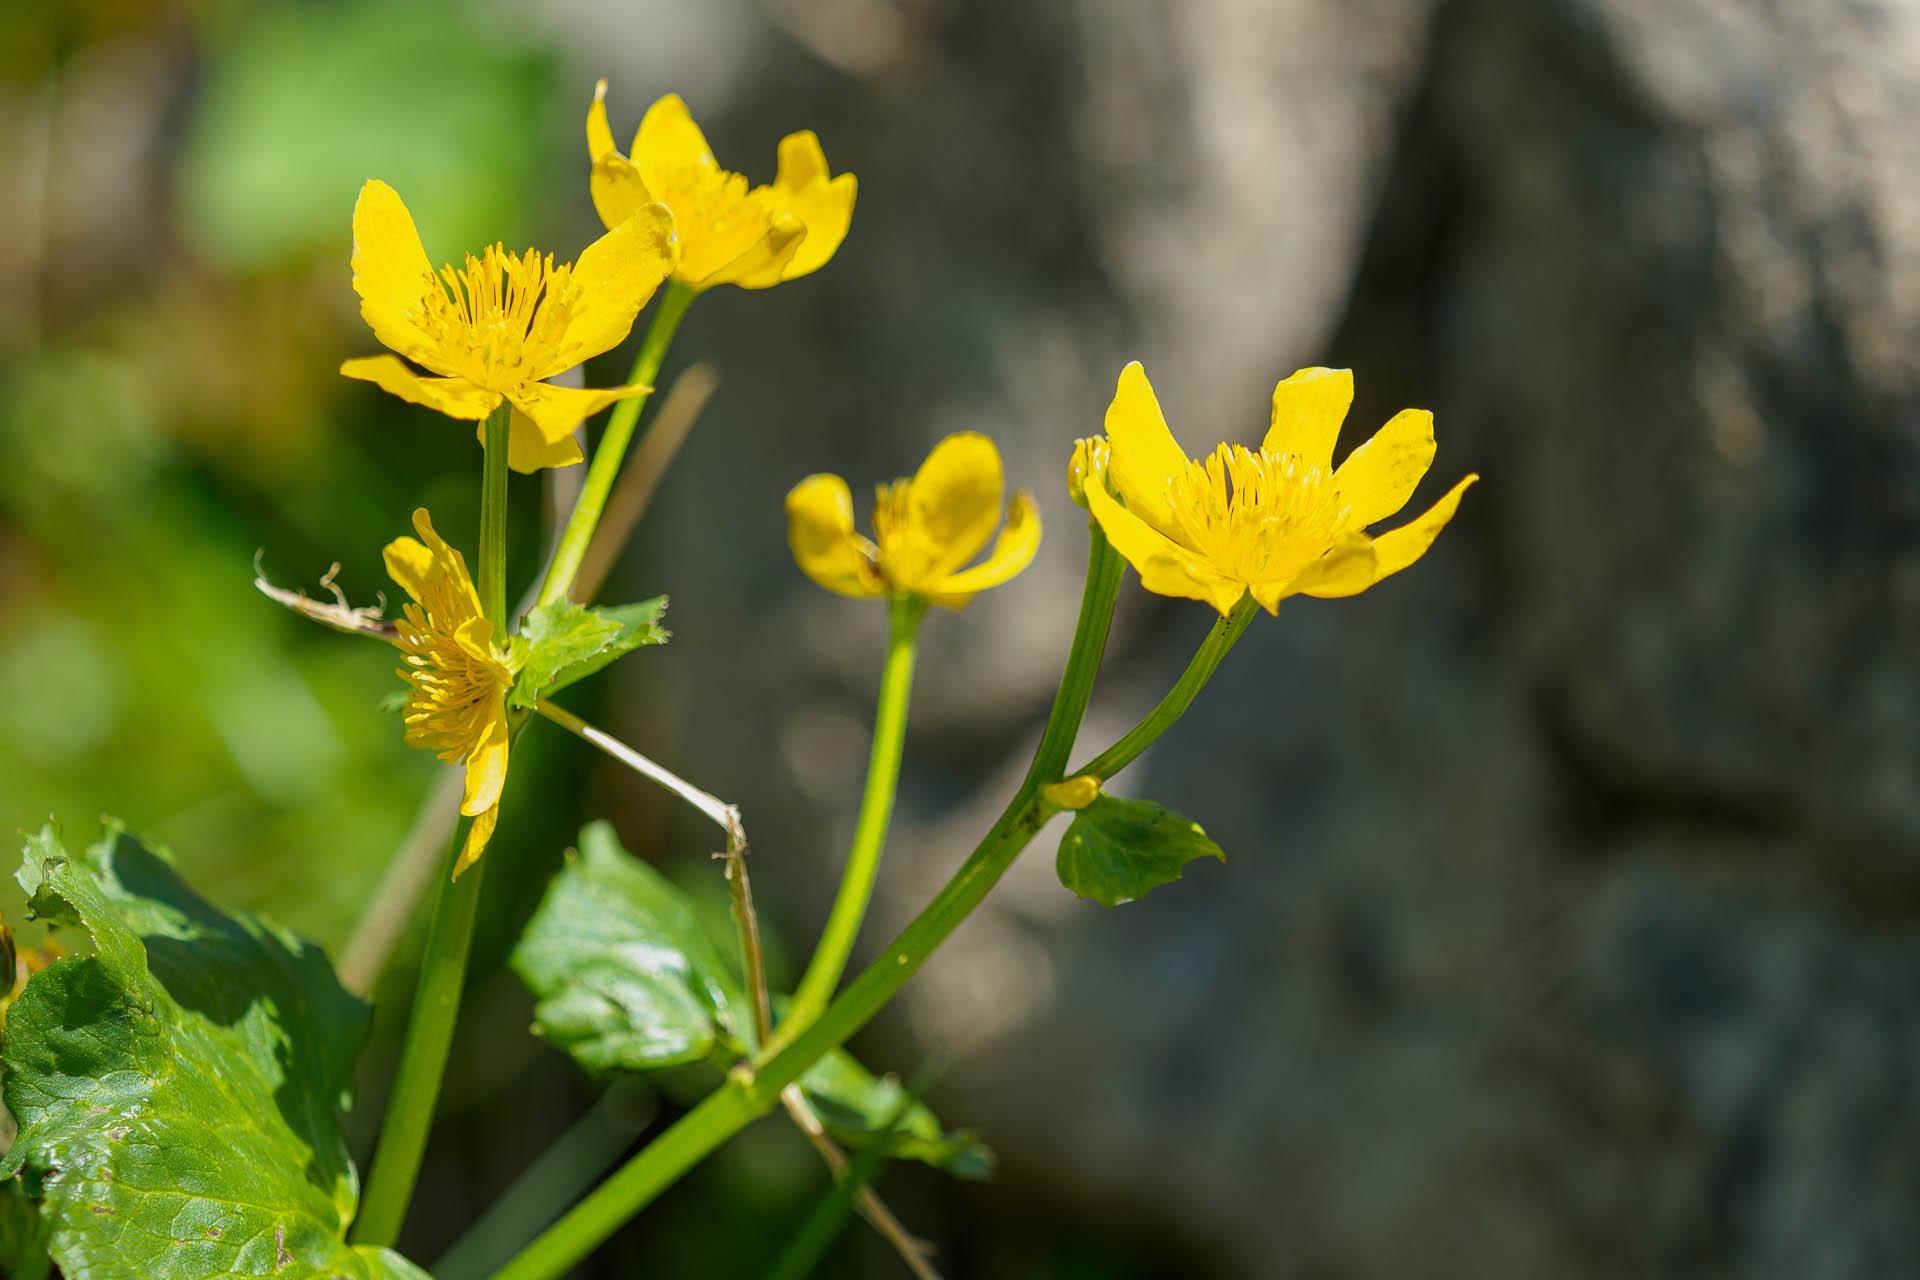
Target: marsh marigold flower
(1277, 521)
(924, 529)
(500, 325)
(729, 233)
(458, 676)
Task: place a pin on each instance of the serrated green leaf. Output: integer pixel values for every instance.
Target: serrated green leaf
(1118, 849)
(623, 976)
(176, 1090)
(857, 1107)
(563, 642)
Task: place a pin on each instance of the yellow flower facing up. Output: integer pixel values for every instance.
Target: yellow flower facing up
(1277, 521)
(497, 327)
(457, 702)
(729, 233)
(924, 529)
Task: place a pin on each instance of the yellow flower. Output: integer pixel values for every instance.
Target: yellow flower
(457, 706)
(497, 327)
(926, 528)
(1278, 522)
(728, 234)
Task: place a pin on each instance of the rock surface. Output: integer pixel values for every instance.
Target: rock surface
(1569, 922)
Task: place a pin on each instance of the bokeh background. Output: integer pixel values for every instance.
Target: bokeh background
(1569, 925)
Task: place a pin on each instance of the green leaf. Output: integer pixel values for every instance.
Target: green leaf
(564, 642)
(176, 1090)
(623, 976)
(1118, 849)
(858, 1107)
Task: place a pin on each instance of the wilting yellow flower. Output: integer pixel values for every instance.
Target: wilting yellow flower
(457, 705)
(926, 528)
(495, 328)
(729, 234)
(1279, 521)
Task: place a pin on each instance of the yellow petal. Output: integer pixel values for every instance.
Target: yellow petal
(478, 835)
(1308, 409)
(764, 262)
(618, 190)
(455, 397)
(599, 135)
(1013, 551)
(823, 206)
(613, 279)
(487, 762)
(669, 139)
(820, 531)
(1143, 456)
(556, 411)
(528, 450)
(1398, 548)
(1378, 477)
(953, 501)
(390, 270)
(1165, 567)
(423, 525)
(408, 564)
(1348, 567)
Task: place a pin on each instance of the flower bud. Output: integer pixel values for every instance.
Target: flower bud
(1089, 459)
(1073, 793)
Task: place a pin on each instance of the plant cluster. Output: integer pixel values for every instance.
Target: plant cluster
(177, 1082)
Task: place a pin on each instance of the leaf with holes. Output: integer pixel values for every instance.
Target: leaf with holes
(177, 1090)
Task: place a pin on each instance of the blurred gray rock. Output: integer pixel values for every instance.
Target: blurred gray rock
(1568, 926)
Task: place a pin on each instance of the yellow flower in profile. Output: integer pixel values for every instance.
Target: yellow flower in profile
(457, 705)
(729, 234)
(1276, 522)
(925, 529)
(499, 326)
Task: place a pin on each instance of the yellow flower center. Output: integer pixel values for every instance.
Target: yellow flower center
(1256, 517)
(499, 321)
(455, 672)
(717, 217)
(906, 555)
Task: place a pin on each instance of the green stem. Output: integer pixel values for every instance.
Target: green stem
(612, 450)
(747, 1096)
(493, 521)
(1225, 632)
(1097, 597)
(443, 970)
(870, 828)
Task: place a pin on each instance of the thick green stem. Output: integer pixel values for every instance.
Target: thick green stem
(443, 970)
(612, 451)
(870, 828)
(747, 1096)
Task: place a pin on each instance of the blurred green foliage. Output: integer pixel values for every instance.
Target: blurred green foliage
(303, 106)
(160, 428)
